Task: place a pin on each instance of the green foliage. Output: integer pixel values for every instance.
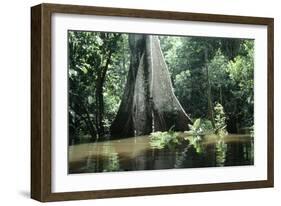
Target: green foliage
(200, 127)
(160, 140)
(230, 63)
(217, 70)
(196, 142)
(221, 131)
(111, 163)
(98, 67)
(221, 148)
(98, 63)
(220, 120)
(241, 73)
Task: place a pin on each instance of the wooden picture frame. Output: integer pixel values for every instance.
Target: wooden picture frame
(41, 116)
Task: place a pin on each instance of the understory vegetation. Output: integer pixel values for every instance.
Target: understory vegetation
(198, 130)
(212, 79)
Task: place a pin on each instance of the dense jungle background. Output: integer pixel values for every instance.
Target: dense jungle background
(204, 71)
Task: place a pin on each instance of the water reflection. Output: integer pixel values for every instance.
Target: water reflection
(137, 154)
(221, 148)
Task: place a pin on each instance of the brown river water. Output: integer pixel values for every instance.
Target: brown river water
(136, 153)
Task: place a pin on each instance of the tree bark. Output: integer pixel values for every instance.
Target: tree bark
(148, 103)
(87, 120)
(99, 106)
(167, 111)
(209, 91)
(99, 94)
(142, 117)
(221, 95)
(123, 125)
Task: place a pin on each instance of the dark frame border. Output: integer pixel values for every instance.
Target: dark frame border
(41, 101)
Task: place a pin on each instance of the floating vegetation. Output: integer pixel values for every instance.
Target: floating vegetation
(160, 140)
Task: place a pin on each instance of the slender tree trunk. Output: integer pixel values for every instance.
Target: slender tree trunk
(221, 95)
(209, 91)
(101, 76)
(89, 123)
(99, 106)
(90, 127)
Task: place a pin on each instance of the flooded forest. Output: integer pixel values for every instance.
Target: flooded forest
(147, 102)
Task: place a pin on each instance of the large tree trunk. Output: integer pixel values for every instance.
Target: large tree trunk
(167, 111)
(123, 125)
(142, 117)
(148, 103)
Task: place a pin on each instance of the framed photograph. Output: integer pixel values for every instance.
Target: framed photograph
(128, 102)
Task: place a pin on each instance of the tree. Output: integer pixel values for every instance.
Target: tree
(199, 69)
(148, 103)
(91, 54)
(127, 85)
(241, 73)
(108, 48)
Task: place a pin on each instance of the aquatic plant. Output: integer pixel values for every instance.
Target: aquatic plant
(200, 127)
(220, 120)
(159, 140)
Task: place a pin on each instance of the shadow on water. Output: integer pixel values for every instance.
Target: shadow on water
(136, 153)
